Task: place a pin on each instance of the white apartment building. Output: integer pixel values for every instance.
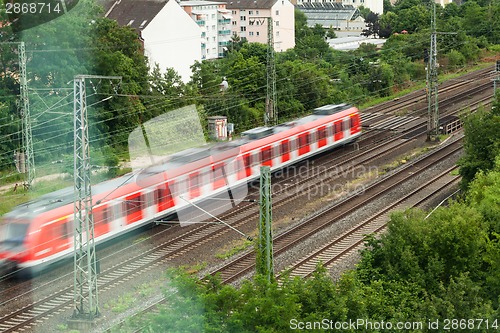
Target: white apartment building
(170, 37)
(215, 23)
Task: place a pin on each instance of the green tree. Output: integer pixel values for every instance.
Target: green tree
(372, 25)
(481, 143)
(331, 33)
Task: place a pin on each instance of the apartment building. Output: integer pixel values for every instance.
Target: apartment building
(250, 21)
(170, 36)
(215, 22)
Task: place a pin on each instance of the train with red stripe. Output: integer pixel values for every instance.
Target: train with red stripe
(40, 232)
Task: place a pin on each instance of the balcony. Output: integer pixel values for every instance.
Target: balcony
(200, 22)
(203, 34)
(224, 21)
(224, 32)
(226, 43)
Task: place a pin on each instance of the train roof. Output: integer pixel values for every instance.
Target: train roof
(176, 161)
(63, 197)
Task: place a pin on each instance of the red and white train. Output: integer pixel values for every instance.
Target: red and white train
(39, 233)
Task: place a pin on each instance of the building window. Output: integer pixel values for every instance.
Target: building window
(243, 28)
(243, 18)
(250, 33)
(234, 22)
(213, 16)
(277, 23)
(213, 39)
(277, 12)
(250, 12)
(213, 27)
(258, 33)
(256, 12)
(277, 33)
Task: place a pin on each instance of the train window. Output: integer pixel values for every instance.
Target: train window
(338, 127)
(304, 139)
(102, 215)
(134, 205)
(59, 231)
(246, 160)
(352, 122)
(265, 154)
(345, 125)
(218, 171)
(285, 147)
(321, 133)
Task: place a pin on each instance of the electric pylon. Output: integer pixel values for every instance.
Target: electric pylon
(432, 83)
(271, 110)
(85, 275)
(27, 138)
(264, 264)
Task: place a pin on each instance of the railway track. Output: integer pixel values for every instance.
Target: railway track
(419, 96)
(244, 264)
(353, 239)
(38, 311)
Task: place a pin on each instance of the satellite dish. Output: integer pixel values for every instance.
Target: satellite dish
(26, 14)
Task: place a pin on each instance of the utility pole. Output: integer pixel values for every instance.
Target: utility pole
(271, 111)
(25, 160)
(264, 257)
(86, 306)
(26, 121)
(432, 83)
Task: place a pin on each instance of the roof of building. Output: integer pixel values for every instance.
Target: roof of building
(199, 3)
(328, 13)
(134, 13)
(324, 5)
(352, 43)
(250, 4)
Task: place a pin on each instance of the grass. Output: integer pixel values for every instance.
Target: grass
(233, 248)
(10, 199)
(145, 289)
(121, 304)
(192, 269)
(404, 159)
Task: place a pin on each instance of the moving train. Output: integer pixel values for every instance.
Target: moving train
(39, 233)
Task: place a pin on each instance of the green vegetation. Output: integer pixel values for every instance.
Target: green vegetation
(122, 303)
(481, 142)
(422, 270)
(234, 248)
(309, 75)
(11, 198)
